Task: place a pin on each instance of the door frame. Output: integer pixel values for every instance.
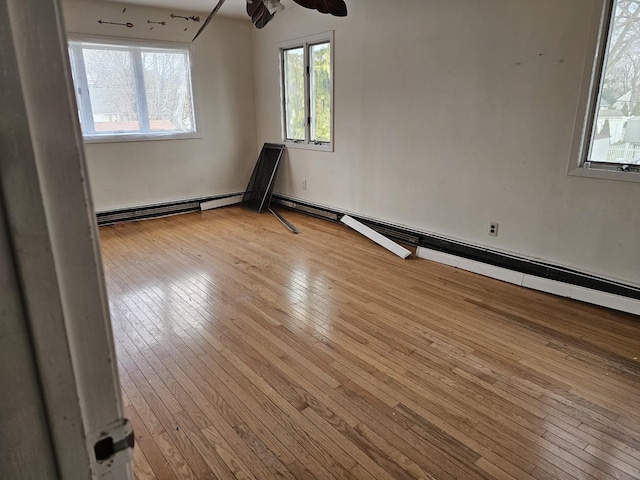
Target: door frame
(54, 240)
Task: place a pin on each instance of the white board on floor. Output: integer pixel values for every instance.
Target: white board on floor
(221, 202)
(376, 237)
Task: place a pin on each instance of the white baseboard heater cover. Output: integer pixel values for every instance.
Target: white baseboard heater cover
(588, 295)
(376, 237)
(222, 202)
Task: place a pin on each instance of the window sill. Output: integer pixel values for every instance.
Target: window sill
(605, 174)
(123, 138)
(309, 146)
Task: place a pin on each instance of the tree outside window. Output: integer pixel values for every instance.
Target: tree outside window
(307, 91)
(132, 90)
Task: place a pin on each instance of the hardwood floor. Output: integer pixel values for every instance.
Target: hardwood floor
(249, 352)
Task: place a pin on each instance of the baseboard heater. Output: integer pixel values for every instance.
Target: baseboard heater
(158, 210)
(529, 273)
(511, 268)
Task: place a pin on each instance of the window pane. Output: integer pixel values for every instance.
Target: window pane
(76, 83)
(294, 93)
(168, 89)
(112, 89)
(132, 89)
(320, 65)
(616, 132)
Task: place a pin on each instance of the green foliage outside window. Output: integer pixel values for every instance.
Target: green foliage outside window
(295, 60)
(321, 93)
(294, 93)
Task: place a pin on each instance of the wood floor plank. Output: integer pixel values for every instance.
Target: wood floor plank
(142, 469)
(207, 451)
(244, 398)
(149, 447)
(246, 352)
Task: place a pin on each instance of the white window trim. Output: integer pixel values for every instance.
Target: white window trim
(306, 42)
(145, 137)
(579, 166)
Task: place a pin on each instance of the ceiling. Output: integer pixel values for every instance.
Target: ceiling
(231, 8)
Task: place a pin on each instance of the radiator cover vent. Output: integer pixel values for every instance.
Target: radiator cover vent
(313, 211)
(158, 210)
(393, 233)
(142, 213)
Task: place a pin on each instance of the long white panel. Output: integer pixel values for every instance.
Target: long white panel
(487, 270)
(609, 300)
(588, 295)
(376, 237)
(222, 202)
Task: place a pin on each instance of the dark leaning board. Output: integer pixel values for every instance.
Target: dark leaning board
(258, 194)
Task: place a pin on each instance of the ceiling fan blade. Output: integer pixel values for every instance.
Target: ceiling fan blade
(259, 14)
(335, 7)
(209, 18)
(274, 6)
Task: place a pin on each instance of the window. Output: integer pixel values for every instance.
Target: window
(608, 143)
(307, 92)
(133, 91)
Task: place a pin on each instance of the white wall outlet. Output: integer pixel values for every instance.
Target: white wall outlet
(493, 229)
(304, 184)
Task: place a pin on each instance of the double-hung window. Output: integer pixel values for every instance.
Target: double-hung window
(132, 90)
(306, 72)
(607, 137)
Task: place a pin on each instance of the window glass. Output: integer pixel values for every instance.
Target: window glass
(294, 90)
(112, 90)
(307, 91)
(167, 90)
(616, 128)
(320, 68)
(129, 90)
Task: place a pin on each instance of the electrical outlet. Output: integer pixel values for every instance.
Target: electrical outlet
(493, 229)
(304, 184)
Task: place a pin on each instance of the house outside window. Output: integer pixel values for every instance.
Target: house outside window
(607, 137)
(132, 90)
(306, 72)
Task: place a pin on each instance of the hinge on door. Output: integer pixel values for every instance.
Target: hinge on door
(112, 447)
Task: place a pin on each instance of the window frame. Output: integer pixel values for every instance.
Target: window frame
(306, 43)
(589, 101)
(133, 44)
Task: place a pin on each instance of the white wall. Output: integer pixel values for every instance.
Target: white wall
(142, 173)
(452, 114)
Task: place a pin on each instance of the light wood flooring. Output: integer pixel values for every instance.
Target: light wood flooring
(248, 352)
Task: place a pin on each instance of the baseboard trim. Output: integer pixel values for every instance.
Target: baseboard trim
(158, 210)
(603, 299)
(500, 265)
(221, 202)
(509, 267)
